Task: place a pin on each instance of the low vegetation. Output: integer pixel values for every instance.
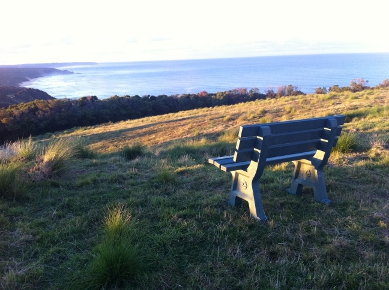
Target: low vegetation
(42, 116)
(159, 219)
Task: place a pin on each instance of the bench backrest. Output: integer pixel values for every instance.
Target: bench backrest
(289, 140)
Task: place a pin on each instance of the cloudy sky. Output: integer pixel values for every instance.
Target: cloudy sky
(43, 31)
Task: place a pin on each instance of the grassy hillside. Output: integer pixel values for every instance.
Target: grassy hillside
(135, 205)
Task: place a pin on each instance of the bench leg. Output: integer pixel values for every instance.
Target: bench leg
(307, 174)
(244, 187)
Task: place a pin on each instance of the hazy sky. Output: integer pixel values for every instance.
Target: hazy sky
(36, 31)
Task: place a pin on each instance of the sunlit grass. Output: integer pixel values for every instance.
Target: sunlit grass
(347, 143)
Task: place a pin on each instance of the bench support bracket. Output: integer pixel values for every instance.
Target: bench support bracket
(247, 188)
(305, 173)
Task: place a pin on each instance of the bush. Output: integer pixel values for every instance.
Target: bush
(347, 143)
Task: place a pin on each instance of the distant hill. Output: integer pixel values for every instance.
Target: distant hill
(12, 76)
(15, 75)
(48, 65)
(10, 95)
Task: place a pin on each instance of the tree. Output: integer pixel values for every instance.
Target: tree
(322, 90)
(357, 85)
(335, 89)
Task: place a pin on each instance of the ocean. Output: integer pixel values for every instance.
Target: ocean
(307, 72)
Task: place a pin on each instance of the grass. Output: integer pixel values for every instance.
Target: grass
(347, 143)
(53, 158)
(116, 260)
(10, 185)
(131, 152)
(161, 220)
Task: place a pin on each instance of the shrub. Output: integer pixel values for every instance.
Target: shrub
(347, 143)
(131, 152)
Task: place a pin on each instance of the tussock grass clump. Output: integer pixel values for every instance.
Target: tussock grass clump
(10, 185)
(165, 176)
(26, 149)
(54, 158)
(131, 152)
(229, 135)
(83, 151)
(116, 260)
(117, 223)
(347, 143)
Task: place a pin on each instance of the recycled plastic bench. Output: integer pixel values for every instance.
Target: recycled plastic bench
(308, 143)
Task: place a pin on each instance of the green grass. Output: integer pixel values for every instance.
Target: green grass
(11, 187)
(347, 143)
(162, 221)
(116, 260)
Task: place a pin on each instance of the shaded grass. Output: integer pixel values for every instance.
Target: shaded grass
(11, 187)
(116, 261)
(131, 152)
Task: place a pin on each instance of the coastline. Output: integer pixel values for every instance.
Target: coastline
(25, 74)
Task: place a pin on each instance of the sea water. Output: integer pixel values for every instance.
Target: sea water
(176, 77)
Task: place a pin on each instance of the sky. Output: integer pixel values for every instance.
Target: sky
(45, 31)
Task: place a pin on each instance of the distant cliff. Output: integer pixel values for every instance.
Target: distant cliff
(12, 76)
(15, 75)
(10, 95)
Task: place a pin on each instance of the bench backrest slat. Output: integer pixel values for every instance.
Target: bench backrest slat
(287, 138)
(292, 148)
(289, 126)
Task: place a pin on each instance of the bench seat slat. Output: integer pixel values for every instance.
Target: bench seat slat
(217, 161)
(235, 166)
(291, 157)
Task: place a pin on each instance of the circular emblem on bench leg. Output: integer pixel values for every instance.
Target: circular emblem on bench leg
(244, 184)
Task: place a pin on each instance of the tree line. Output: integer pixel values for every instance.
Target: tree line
(43, 116)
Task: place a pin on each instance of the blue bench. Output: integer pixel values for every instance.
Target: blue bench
(308, 143)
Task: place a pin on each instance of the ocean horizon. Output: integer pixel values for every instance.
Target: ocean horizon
(177, 77)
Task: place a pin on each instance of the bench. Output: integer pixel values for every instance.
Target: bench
(307, 143)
